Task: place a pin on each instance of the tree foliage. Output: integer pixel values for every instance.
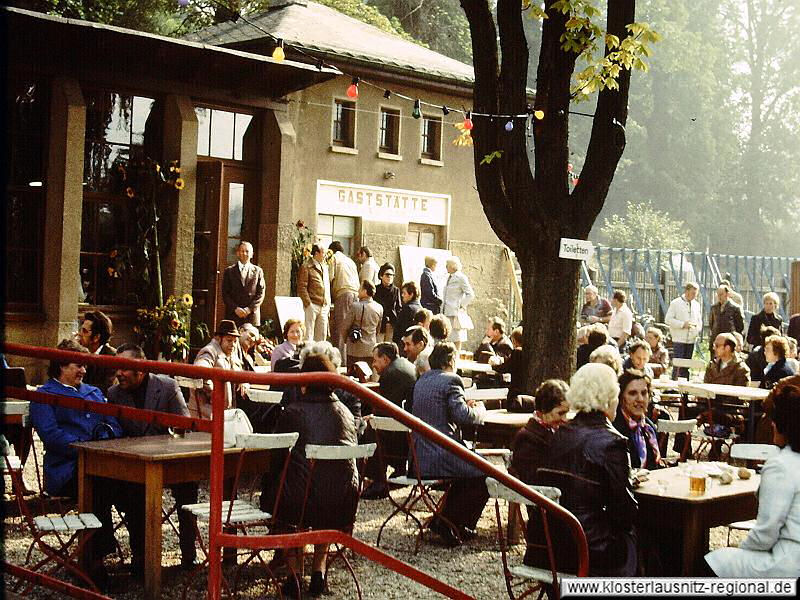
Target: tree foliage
(644, 226)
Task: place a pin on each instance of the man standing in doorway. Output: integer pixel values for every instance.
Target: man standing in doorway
(314, 289)
(94, 335)
(344, 286)
(243, 288)
(685, 320)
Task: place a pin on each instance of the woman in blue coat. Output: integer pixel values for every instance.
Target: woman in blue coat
(59, 428)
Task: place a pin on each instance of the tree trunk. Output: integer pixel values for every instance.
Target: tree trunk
(549, 289)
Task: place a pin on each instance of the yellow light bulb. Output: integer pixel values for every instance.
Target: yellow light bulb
(539, 114)
(278, 54)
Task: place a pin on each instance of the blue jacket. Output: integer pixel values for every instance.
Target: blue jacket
(59, 427)
(439, 401)
(429, 292)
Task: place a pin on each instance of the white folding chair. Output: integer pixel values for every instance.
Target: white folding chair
(687, 427)
(239, 514)
(315, 453)
(420, 489)
(540, 577)
(264, 396)
(749, 452)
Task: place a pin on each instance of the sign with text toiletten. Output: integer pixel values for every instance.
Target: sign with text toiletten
(575, 249)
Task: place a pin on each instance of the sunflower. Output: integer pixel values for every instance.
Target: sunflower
(179, 184)
(187, 299)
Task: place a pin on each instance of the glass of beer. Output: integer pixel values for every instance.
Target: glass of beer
(697, 483)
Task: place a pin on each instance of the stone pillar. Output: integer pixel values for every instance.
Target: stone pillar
(276, 229)
(180, 143)
(64, 206)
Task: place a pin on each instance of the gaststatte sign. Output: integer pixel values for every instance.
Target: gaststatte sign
(382, 204)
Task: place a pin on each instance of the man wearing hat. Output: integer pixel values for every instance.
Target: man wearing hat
(217, 353)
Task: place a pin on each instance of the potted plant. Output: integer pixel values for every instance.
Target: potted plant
(163, 331)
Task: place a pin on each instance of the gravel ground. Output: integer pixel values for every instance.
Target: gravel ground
(474, 567)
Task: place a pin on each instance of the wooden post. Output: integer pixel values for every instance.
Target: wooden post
(794, 294)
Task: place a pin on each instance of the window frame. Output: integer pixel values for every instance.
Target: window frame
(342, 145)
(386, 151)
(236, 110)
(426, 157)
(352, 242)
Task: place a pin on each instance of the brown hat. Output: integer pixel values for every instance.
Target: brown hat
(227, 327)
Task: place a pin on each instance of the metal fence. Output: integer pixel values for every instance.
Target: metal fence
(652, 278)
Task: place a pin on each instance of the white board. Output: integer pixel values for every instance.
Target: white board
(289, 307)
(575, 249)
(412, 261)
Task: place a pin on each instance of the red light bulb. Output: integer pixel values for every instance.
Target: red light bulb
(352, 91)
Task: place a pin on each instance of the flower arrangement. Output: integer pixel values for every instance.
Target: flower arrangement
(145, 180)
(301, 251)
(165, 329)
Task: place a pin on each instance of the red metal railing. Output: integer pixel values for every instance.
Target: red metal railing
(218, 539)
(50, 582)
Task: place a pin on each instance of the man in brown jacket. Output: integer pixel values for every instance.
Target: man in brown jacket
(313, 287)
(243, 288)
(726, 315)
(725, 369)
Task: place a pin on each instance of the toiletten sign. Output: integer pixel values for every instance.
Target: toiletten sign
(575, 249)
(382, 204)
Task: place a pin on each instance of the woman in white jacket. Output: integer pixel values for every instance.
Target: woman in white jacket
(685, 320)
(772, 548)
(458, 293)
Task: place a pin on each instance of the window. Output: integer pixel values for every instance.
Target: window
(221, 133)
(26, 106)
(344, 123)
(333, 227)
(432, 138)
(423, 236)
(115, 134)
(390, 131)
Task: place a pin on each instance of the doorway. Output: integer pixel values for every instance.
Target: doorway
(226, 212)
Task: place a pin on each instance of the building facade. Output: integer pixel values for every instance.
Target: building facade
(261, 143)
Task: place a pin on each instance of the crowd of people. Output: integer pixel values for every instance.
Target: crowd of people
(411, 336)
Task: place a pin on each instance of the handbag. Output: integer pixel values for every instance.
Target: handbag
(462, 320)
(355, 334)
(236, 422)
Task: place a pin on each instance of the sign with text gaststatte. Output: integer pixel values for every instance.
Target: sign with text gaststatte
(575, 249)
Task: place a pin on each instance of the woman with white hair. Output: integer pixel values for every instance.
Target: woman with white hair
(458, 293)
(589, 463)
(768, 317)
(607, 355)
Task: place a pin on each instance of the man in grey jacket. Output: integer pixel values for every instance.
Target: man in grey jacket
(150, 391)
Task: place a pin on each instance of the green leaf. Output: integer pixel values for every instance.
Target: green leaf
(490, 157)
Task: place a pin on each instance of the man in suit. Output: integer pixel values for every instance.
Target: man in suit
(367, 315)
(430, 297)
(94, 335)
(243, 288)
(344, 291)
(726, 315)
(397, 379)
(149, 391)
(314, 289)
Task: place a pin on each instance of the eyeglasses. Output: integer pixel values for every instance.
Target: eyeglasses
(389, 273)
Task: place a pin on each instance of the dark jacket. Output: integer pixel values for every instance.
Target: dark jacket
(319, 418)
(389, 299)
(794, 327)
(726, 318)
(502, 347)
(592, 458)
(430, 297)
(778, 371)
(734, 373)
(405, 320)
(439, 401)
(397, 383)
(102, 377)
(162, 394)
(249, 294)
(515, 364)
(621, 424)
(529, 451)
(758, 321)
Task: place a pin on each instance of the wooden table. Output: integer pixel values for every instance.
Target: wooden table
(154, 461)
(486, 394)
(679, 521)
(751, 396)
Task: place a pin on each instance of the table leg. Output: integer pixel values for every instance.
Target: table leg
(514, 523)
(85, 505)
(695, 541)
(153, 490)
(751, 421)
